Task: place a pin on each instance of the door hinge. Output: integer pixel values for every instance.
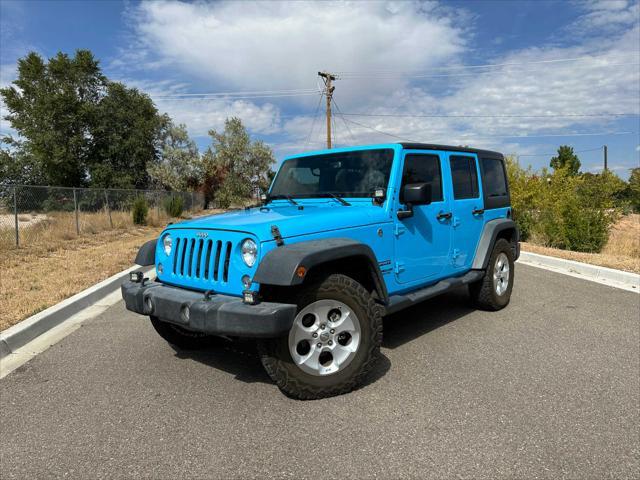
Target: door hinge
(398, 267)
(456, 253)
(399, 229)
(456, 221)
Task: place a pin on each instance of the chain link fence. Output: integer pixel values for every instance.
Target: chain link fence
(35, 214)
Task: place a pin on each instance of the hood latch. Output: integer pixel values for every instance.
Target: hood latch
(275, 233)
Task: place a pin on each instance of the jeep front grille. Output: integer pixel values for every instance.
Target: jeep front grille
(202, 259)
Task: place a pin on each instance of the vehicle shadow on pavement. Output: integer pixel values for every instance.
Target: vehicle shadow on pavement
(240, 359)
(409, 324)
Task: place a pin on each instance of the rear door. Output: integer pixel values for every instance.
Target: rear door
(422, 241)
(467, 207)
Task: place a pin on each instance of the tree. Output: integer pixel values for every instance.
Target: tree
(76, 127)
(234, 166)
(566, 159)
(51, 106)
(634, 189)
(17, 166)
(180, 166)
(126, 133)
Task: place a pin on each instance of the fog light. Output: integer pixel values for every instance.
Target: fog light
(246, 281)
(160, 269)
(136, 277)
(250, 297)
(148, 305)
(185, 313)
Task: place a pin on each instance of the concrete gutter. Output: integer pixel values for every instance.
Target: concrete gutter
(22, 333)
(603, 275)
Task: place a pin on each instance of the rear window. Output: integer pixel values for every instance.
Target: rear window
(465, 177)
(494, 181)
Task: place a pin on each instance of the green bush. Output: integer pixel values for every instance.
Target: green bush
(140, 210)
(174, 206)
(562, 209)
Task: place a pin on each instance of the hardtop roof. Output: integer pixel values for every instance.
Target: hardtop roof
(432, 146)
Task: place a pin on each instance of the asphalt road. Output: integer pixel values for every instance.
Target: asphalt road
(547, 388)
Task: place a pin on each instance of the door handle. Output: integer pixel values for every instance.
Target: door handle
(444, 216)
(477, 211)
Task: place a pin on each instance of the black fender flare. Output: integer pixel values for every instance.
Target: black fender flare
(279, 266)
(488, 238)
(147, 254)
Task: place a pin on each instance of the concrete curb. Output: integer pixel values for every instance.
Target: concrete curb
(606, 276)
(22, 333)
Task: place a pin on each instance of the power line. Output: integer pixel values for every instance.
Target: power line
(437, 115)
(489, 65)
(343, 120)
(574, 134)
(242, 92)
(379, 131)
(555, 153)
(235, 97)
(474, 74)
(313, 123)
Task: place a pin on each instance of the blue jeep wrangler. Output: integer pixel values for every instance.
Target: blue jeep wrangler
(343, 238)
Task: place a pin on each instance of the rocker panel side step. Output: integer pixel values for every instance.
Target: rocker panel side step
(400, 302)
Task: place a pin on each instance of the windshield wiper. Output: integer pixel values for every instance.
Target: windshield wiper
(286, 197)
(339, 199)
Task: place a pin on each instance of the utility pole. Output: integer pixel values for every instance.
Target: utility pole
(605, 159)
(327, 78)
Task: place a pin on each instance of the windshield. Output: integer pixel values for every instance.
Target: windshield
(345, 174)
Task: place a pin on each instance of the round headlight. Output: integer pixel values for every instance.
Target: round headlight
(166, 244)
(249, 252)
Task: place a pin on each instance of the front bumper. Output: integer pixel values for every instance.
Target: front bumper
(218, 315)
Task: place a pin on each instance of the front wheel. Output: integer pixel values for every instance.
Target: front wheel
(333, 343)
(493, 292)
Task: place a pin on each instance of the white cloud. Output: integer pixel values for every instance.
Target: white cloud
(605, 16)
(273, 45)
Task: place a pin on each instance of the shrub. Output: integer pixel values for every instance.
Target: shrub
(562, 209)
(140, 211)
(174, 206)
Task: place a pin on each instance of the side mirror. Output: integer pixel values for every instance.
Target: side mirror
(417, 194)
(414, 194)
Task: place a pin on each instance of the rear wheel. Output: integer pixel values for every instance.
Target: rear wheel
(493, 292)
(180, 337)
(333, 343)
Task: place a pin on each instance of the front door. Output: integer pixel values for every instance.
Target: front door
(422, 241)
(467, 207)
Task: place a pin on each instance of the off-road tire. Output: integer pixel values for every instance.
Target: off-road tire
(483, 293)
(180, 337)
(276, 358)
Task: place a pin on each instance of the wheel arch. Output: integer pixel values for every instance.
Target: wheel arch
(279, 267)
(492, 231)
(146, 255)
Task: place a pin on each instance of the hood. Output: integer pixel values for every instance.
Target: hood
(290, 220)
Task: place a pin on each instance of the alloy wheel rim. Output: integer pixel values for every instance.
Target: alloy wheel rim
(501, 274)
(324, 338)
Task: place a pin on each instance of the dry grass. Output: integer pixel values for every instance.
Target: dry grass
(57, 265)
(34, 278)
(622, 251)
(53, 227)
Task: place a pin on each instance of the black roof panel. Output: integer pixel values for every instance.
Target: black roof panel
(431, 146)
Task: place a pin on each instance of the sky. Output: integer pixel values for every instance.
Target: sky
(520, 77)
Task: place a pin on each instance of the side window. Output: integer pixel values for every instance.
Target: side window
(419, 168)
(464, 176)
(494, 181)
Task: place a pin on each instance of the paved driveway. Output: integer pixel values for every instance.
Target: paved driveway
(548, 388)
